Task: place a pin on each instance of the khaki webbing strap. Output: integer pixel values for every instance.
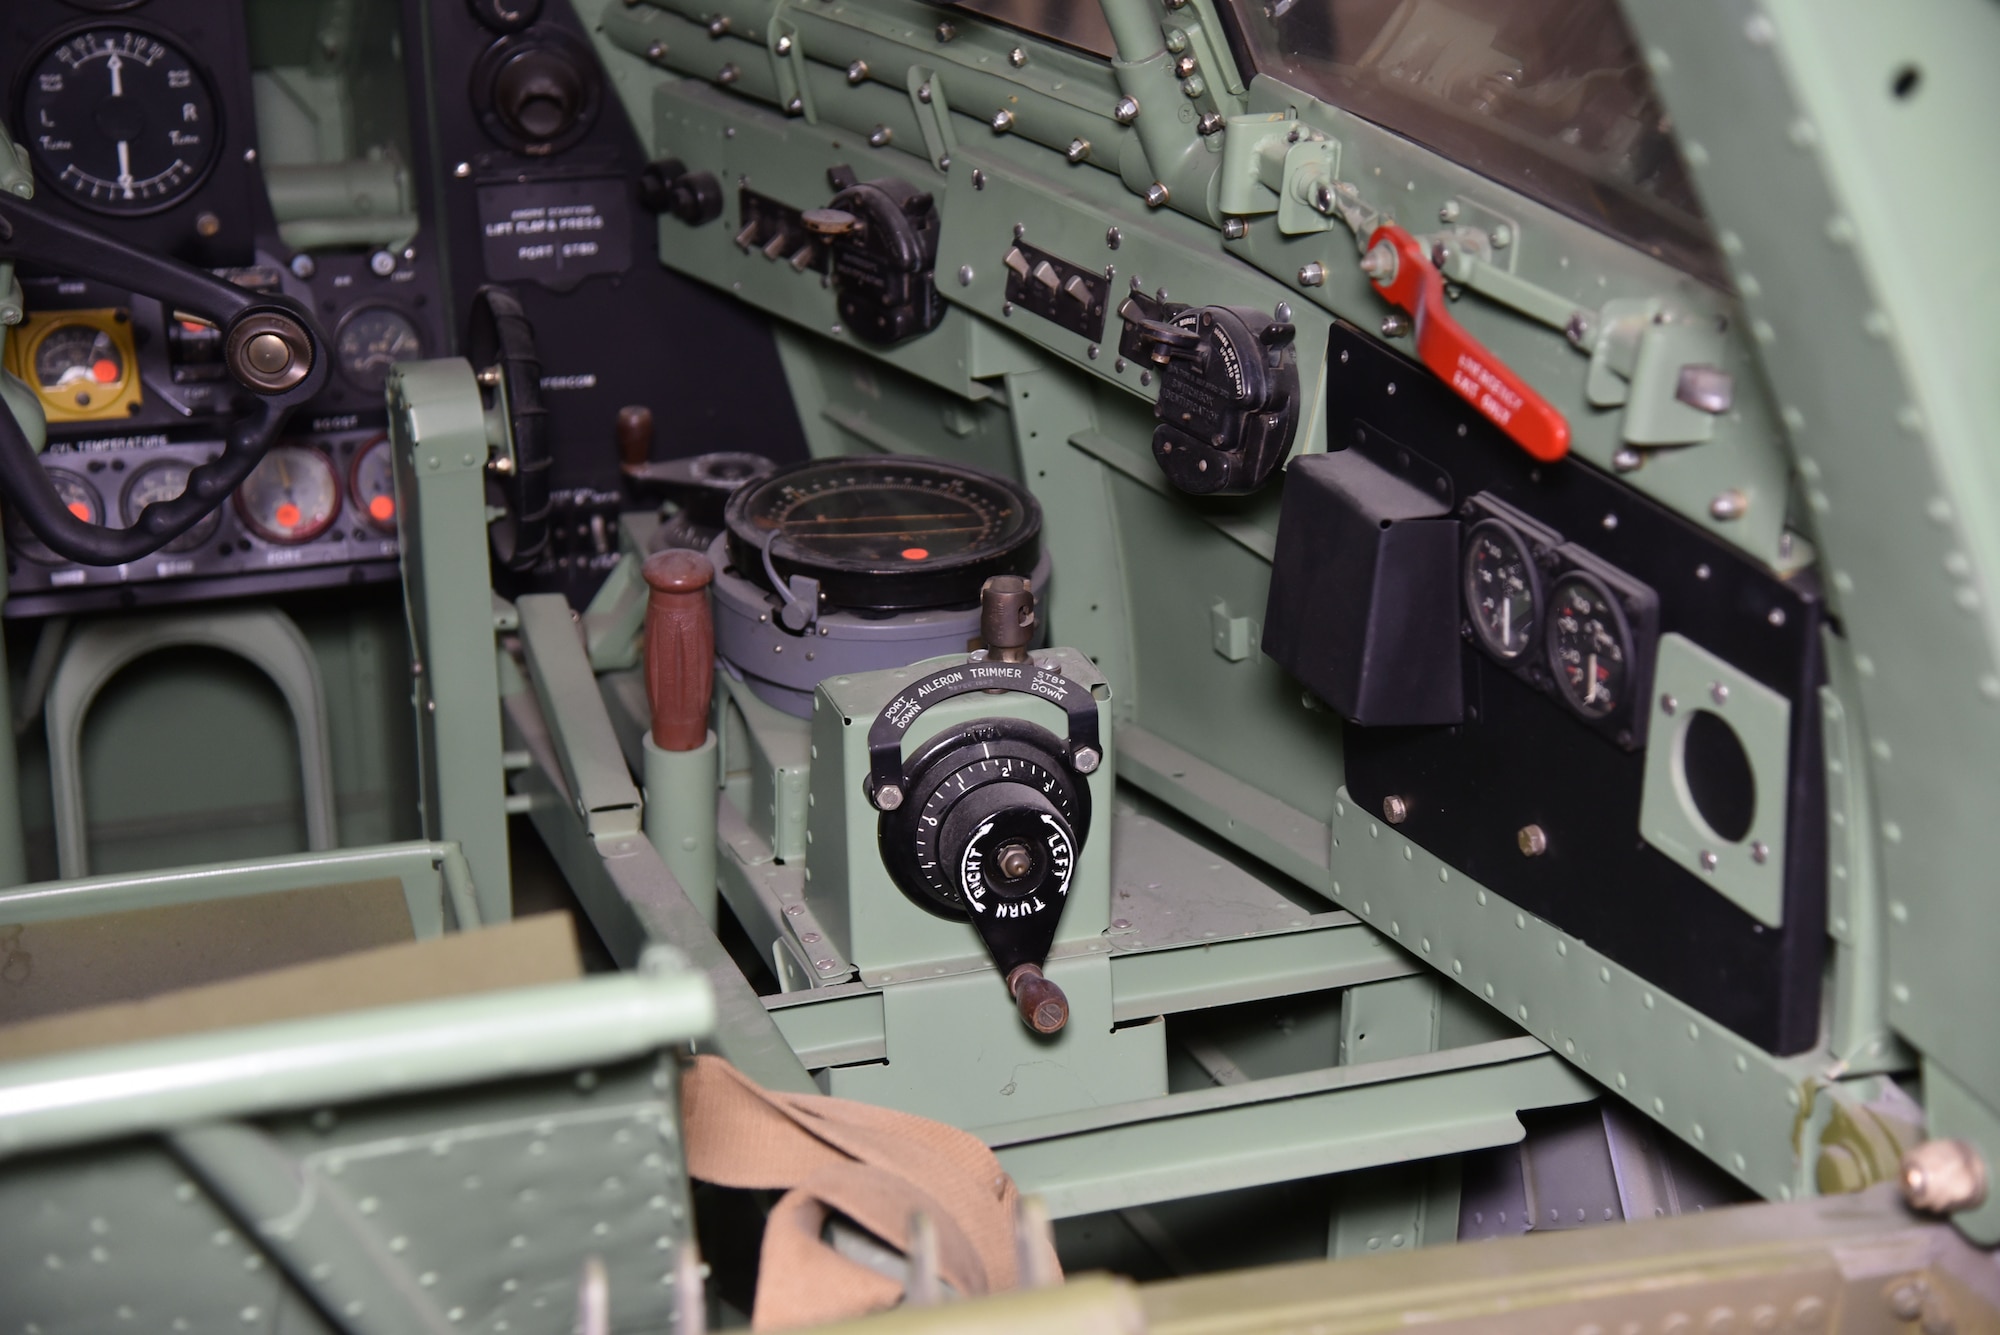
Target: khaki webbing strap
(874, 1166)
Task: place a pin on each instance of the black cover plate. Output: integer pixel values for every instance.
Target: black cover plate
(1030, 294)
(1521, 758)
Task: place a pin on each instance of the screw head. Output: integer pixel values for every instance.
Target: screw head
(978, 179)
(381, 264)
(857, 71)
(784, 45)
(1760, 852)
(1719, 692)
(1113, 238)
(1086, 760)
(880, 136)
(1395, 810)
(1708, 860)
(1729, 505)
(1017, 57)
(1628, 460)
(718, 26)
(888, 797)
(1944, 1177)
(1533, 841)
(1003, 121)
(965, 275)
(304, 266)
(945, 32)
(1578, 328)
(1668, 705)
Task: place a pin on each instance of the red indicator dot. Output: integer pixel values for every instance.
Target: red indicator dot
(287, 515)
(915, 553)
(383, 508)
(104, 370)
(81, 510)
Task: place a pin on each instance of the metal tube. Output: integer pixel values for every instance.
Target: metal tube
(681, 789)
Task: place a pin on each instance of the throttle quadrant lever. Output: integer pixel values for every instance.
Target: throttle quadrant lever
(1395, 262)
(270, 346)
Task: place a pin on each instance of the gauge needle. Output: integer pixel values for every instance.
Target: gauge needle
(117, 67)
(1590, 677)
(1506, 621)
(125, 167)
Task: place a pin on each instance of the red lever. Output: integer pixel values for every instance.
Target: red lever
(1414, 284)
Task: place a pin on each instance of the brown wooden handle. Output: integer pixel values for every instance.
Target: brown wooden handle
(680, 647)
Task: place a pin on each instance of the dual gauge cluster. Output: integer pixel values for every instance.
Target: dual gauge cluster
(1558, 617)
(320, 509)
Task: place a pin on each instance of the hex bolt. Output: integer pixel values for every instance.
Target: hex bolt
(1533, 841)
(784, 45)
(1235, 229)
(795, 107)
(728, 74)
(1944, 1177)
(1211, 122)
(1003, 121)
(1193, 86)
(1395, 810)
(1015, 861)
(946, 31)
(719, 26)
(1395, 324)
(880, 136)
(1078, 150)
(857, 71)
(1729, 505)
(1312, 275)
(1156, 195)
(924, 93)
(1125, 110)
(1184, 66)
(888, 797)
(1086, 760)
(1017, 57)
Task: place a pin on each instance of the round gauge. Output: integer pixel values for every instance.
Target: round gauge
(78, 497)
(293, 496)
(79, 363)
(1590, 646)
(162, 481)
(885, 533)
(371, 481)
(372, 340)
(119, 120)
(1501, 590)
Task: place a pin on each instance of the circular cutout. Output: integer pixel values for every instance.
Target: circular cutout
(1716, 776)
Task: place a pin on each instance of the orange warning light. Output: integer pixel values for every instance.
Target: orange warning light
(104, 370)
(915, 553)
(81, 509)
(287, 515)
(382, 509)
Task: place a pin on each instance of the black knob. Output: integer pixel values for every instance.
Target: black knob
(538, 93)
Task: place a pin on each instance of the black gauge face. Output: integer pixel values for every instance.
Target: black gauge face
(372, 341)
(1501, 590)
(293, 496)
(1590, 646)
(371, 481)
(79, 365)
(78, 497)
(163, 481)
(886, 532)
(120, 121)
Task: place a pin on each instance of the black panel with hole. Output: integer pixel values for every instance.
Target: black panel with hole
(1717, 772)
(1522, 758)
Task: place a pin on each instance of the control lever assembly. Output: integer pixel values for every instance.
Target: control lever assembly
(1229, 392)
(679, 747)
(270, 346)
(985, 822)
(1396, 264)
